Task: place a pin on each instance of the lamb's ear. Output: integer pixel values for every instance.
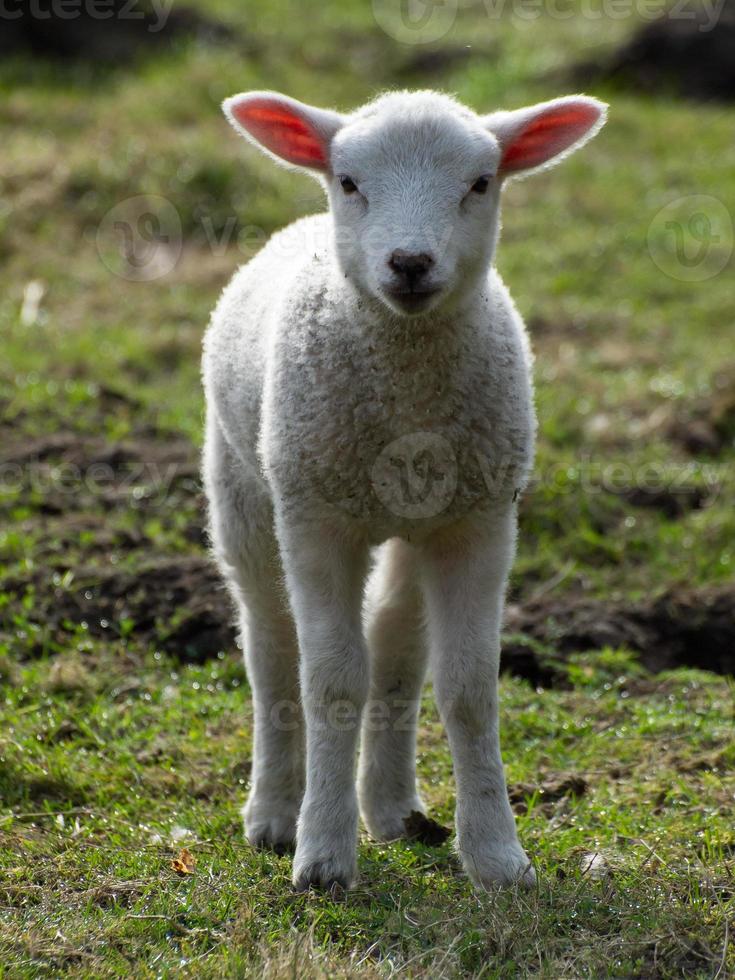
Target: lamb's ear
(541, 135)
(286, 129)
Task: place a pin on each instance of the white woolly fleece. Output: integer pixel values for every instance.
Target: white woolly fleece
(370, 424)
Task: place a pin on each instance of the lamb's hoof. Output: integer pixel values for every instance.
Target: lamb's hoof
(501, 867)
(327, 875)
(273, 828)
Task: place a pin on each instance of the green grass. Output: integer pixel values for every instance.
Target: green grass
(109, 742)
(113, 764)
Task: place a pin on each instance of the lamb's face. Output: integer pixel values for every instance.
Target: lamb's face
(414, 180)
(414, 191)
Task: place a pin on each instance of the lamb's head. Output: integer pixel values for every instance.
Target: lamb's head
(414, 180)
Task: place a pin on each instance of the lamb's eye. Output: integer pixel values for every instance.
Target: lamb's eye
(348, 185)
(481, 184)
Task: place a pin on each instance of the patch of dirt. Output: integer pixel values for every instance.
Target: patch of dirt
(683, 628)
(523, 657)
(101, 539)
(671, 503)
(424, 829)
(708, 426)
(70, 447)
(692, 55)
(177, 604)
(718, 761)
(180, 605)
(550, 791)
(67, 472)
(125, 32)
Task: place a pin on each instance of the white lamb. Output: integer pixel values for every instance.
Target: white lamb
(369, 400)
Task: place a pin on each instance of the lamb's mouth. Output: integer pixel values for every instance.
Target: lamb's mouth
(412, 300)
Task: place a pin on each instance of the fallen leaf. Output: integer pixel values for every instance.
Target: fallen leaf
(184, 863)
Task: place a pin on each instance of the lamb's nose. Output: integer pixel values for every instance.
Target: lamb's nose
(411, 265)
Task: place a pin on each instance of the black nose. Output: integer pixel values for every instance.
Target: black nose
(412, 266)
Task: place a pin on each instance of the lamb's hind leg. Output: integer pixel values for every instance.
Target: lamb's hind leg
(241, 527)
(395, 633)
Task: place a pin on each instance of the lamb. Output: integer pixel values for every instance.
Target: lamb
(370, 425)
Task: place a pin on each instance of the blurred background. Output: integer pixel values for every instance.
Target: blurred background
(126, 203)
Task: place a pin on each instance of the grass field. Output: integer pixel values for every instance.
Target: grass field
(125, 732)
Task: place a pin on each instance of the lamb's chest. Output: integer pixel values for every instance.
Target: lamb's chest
(402, 435)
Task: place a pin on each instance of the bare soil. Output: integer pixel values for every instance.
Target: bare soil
(690, 54)
(116, 581)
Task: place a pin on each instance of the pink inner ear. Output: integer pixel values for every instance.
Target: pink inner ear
(282, 132)
(547, 135)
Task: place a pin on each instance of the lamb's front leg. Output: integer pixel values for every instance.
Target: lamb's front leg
(465, 577)
(325, 571)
